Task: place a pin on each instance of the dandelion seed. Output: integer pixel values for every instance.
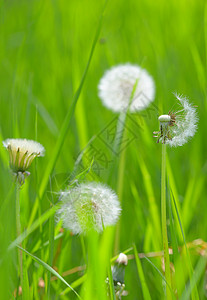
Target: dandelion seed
(177, 127)
(21, 154)
(116, 86)
(87, 206)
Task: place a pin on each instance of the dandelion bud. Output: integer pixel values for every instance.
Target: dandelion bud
(88, 205)
(21, 154)
(122, 259)
(178, 126)
(118, 270)
(118, 83)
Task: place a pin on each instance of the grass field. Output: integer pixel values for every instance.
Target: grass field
(53, 54)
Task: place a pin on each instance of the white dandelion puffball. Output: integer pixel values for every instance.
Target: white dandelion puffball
(116, 87)
(89, 205)
(22, 152)
(178, 126)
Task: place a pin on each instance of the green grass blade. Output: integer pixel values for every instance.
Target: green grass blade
(50, 269)
(111, 285)
(146, 293)
(176, 255)
(153, 207)
(161, 275)
(44, 217)
(164, 221)
(175, 192)
(200, 68)
(192, 197)
(75, 284)
(199, 270)
(194, 291)
(25, 280)
(51, 250)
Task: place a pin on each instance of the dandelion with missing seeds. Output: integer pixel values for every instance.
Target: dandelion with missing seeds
(175, 130)
(177, 127)
(120, 82)
(88, 206)
(21, 154)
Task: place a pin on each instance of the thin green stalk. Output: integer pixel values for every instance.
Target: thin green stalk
(194, 291)
(51, 245)
(83, 249)
(18, 229)
(145, 290)
(120, 194)
(121, 134)
(111, 284)
(153, 207)
(49, 268)
(94, 288)
(26, 295)
(164, 223)
(158, 271)
(51, 252)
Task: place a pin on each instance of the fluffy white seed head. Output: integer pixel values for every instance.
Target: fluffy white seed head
(177, 127)
(185, 123)
(116, 86)
(89, 205)
(21, 154)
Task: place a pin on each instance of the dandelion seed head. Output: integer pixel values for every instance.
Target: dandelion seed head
(116, 86)
(88, 205)
(177, 127)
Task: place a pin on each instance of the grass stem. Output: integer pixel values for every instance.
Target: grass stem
(164, 222)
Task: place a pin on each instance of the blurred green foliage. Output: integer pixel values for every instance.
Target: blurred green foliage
(44, 49)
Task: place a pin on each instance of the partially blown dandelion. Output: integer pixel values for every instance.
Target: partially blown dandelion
(21, 154)
(89, 205)
(116, 86)
(177, 127)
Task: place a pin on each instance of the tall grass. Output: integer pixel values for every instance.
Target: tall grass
(53, 54)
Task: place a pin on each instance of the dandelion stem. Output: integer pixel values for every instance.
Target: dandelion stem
(120, 195)
(164, 223)
(83, 249)
(18, 229)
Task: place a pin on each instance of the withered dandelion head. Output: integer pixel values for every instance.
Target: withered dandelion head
(178, 126)
(21, 154)
(119, 83)
(88, 205)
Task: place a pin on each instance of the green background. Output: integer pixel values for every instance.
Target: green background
(44, 50)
